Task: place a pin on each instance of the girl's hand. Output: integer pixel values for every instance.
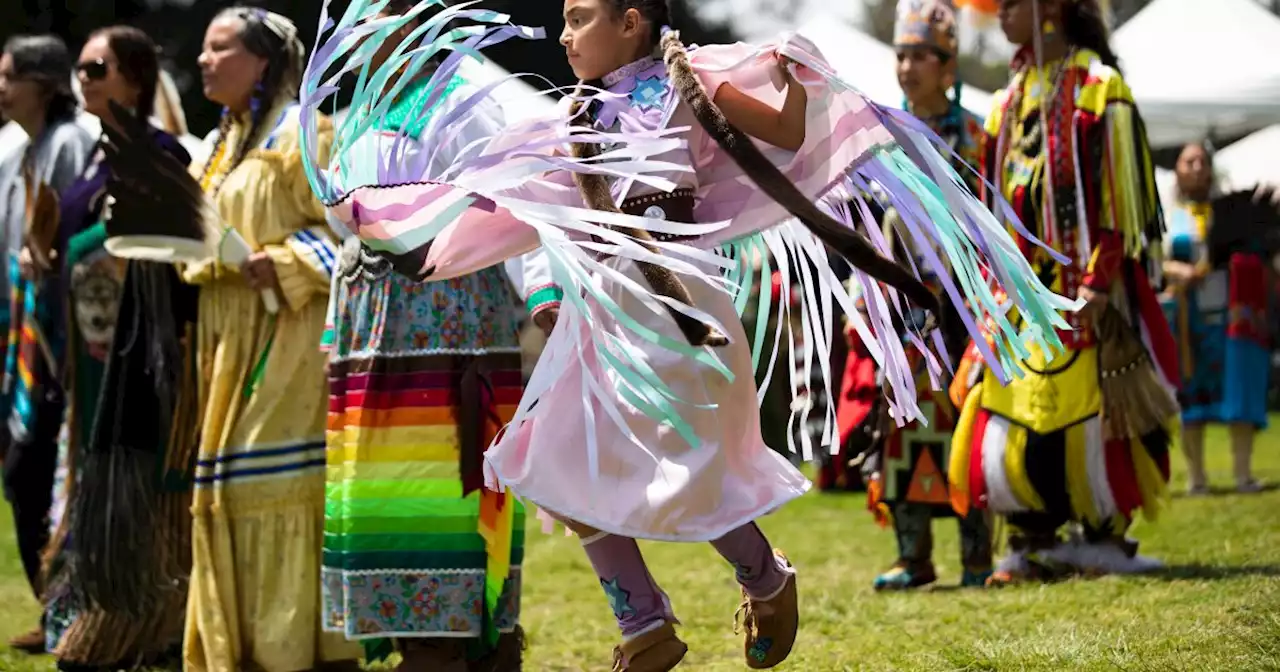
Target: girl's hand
(546, 320)
(784, 65)
(260, 272)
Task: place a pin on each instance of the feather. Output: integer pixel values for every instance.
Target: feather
(1243, 222)
(146, 180)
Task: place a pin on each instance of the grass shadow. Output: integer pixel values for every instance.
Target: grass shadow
(1225, 491)
(1204, 572)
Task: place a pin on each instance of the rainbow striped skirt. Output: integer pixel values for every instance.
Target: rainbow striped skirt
(421, 376)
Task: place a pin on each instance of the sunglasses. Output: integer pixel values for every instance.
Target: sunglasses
(94, 70)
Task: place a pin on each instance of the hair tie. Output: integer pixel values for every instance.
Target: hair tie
(662, 32)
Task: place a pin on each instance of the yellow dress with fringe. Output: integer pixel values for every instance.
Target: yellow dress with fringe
(258, 505)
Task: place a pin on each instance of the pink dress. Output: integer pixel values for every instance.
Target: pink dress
(646, 479)
(624, 426)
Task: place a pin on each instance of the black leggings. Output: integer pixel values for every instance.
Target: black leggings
(29, 467)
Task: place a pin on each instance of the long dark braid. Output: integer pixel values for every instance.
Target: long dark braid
(853, 246)
(597, 195)
(1084, 26)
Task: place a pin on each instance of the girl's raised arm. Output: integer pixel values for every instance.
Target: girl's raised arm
(783, 128)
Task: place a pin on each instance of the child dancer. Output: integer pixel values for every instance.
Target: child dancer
(630, 427)
(907, 485)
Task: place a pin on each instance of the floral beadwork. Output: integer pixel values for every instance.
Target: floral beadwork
(402, 604)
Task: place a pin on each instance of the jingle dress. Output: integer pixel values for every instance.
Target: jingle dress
(422, 376)
(1220, 326)
(258, 509)
(1033, 450)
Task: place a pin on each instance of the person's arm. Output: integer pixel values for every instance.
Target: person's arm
(69, 155)
(1126, 185)
(529, 273)
(783, 128)
(301, 266)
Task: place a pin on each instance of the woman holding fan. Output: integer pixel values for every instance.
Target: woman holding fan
(102, 604)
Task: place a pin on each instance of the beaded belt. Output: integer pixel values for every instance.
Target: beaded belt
(675, 206)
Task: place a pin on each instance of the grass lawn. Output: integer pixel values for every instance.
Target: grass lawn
(1217, 607)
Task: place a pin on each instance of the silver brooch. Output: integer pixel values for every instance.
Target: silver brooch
(655, 212)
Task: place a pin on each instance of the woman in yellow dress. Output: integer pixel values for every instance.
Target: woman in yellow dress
(258, 507)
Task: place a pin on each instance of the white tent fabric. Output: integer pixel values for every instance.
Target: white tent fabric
(871, 65)
(1198, 67)
(1166, 181)
(1252, 160)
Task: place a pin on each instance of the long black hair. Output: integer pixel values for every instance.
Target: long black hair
(656, 12)
(138, 60)
(44, 59)
(1084, 26)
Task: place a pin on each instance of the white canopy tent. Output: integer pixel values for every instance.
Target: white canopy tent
(1252, 160)
(1199, 67)
(871, 65)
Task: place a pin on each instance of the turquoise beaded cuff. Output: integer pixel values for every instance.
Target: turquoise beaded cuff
(544, 297)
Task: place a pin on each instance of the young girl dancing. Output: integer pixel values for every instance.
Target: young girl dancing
(641, 419)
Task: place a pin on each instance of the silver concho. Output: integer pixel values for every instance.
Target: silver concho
(655, 212)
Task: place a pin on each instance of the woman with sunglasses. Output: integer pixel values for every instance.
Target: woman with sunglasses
(35, 92)
(125, 617)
